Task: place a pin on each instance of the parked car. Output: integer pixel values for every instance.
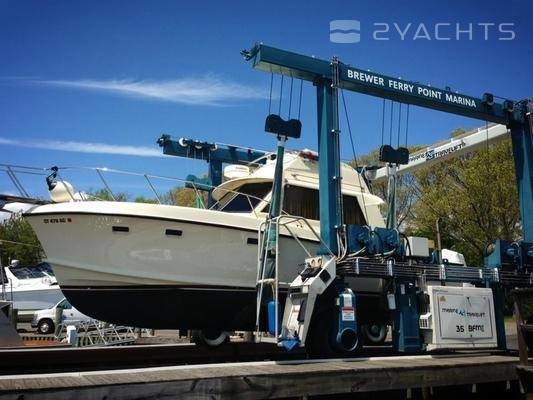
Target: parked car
(43, 320)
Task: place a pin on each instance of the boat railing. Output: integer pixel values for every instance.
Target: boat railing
(13, 172)
(281, 223)
(7, 295)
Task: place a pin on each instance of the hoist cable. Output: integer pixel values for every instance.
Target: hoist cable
(280, 95)
(354, 156)
(270, 93)
(399, 123)
(290, 97)
(407, 124)
(488, 173)
(383, 122)
(391, 115)
(300, 101)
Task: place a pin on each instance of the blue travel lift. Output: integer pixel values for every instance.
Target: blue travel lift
(215, 154)
(315, 281)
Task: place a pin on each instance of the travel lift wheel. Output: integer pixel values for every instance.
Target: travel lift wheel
(374, 334)
(210, 337)
(321, 340)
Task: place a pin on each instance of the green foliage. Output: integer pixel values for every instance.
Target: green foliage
(142, 199)
(103, 194)
(27, 249)
(182, 196)
(475, 196)
(179, 196)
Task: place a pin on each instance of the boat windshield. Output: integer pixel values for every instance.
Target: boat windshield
(245, 198)
(27, 272)
(45, 268)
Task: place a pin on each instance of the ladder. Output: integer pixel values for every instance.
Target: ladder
(313, 280)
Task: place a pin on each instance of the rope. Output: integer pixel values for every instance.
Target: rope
(383, 122)
(391, 115)
(407, 124)
(300, 101)
(353, 152)
(270, 94)
(290, 98)
(399, 123)
(489, 173)
(280, 95)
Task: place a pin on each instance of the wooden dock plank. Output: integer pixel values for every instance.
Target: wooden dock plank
(264, 379)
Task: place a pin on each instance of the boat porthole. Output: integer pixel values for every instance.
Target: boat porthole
(121, 229)
(173, 232)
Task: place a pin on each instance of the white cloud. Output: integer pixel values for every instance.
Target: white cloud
(85, 147)
(207, 90)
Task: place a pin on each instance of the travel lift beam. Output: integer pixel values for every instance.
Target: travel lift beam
(215, 154)
(444, 150)
(329, 77)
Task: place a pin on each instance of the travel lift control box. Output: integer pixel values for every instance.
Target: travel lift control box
(459, 318)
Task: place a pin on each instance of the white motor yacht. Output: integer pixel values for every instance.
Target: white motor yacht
(30, 288)
(163, 266)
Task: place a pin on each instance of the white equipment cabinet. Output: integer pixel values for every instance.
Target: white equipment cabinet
(459, 318)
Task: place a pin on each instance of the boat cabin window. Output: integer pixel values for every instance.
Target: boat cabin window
(248, 197)
(303, 202)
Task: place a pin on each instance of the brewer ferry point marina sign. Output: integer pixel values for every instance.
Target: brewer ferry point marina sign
(411, 88)
(424, 95)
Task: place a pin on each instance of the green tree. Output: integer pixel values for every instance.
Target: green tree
(142, 199)
(19, 242)
(182, 196)
(103, 194)
(476, 198)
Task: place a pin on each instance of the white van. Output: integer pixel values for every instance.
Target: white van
(43, 320)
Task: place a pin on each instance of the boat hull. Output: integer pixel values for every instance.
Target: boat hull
(180, 307)
(155, 266)
(34, 299)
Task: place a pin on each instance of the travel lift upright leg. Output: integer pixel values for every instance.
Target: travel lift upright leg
(405, 314)
(302, 313)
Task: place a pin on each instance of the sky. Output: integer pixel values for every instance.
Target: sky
(95, 83)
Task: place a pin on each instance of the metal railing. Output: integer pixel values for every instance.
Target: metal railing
(12, 172)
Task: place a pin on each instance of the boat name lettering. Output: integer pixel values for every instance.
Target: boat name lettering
(57, 220)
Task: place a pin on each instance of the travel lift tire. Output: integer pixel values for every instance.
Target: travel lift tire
(320, 342)
(374, 334)
(210, 337)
